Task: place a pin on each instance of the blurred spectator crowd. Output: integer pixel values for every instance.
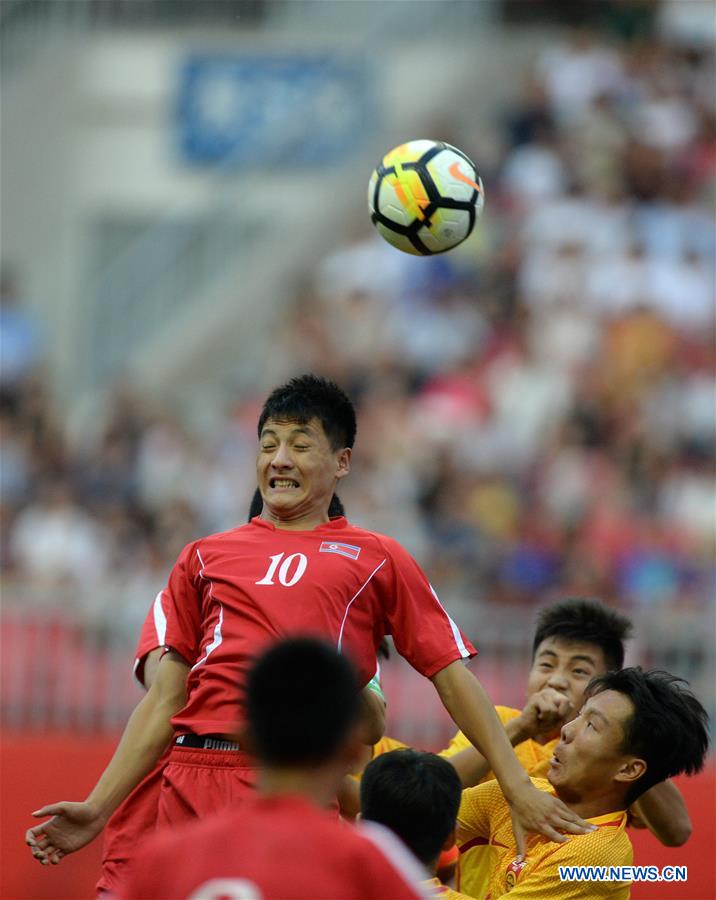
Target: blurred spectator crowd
(537, 409)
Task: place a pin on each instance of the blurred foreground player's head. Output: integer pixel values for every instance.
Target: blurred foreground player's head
(306, 432)
(302, 704)
(634, 730)
(302, 708)
(416, 795)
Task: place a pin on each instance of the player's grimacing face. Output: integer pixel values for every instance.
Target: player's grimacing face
(588, 758)
(296, 467)
(566, 666)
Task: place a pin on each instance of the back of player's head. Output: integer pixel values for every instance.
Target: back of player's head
(302, 697)
(310, 396)
(587, 620)
(335, 508)
(668, 728)
(416, 795)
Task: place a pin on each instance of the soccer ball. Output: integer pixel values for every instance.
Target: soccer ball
(424, 197)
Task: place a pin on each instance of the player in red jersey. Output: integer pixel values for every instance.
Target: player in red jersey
(301, 711)
(137, 814)
(292, 570)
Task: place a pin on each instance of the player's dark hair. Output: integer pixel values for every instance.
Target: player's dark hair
(416, 795)
(301, 699)
(587, 620)
(335, 507)
(668, 728)
(310, 396)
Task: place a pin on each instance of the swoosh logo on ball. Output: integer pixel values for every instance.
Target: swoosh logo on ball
(459, 175)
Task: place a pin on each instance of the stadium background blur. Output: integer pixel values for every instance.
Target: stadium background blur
(184, 225)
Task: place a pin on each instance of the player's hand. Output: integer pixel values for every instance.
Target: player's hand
(544, 711)
(538, 811)
(71, 827)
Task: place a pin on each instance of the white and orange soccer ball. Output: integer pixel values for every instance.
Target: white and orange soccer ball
(425, 196)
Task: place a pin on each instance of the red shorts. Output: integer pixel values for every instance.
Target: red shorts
(132, 819)
(199, 782)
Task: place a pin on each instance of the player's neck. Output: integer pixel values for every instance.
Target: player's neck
(317, 785)
(589, 808)
(300, 522)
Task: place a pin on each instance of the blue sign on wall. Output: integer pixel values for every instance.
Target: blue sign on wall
(269, 110)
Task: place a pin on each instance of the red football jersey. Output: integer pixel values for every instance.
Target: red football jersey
(229, 595)
(272, 848)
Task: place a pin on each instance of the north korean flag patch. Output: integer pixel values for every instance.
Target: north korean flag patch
(349, 550)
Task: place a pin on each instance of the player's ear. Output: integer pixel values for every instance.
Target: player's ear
(631, 770)
(343, 462)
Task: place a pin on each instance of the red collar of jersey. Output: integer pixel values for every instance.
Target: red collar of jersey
(338, 522)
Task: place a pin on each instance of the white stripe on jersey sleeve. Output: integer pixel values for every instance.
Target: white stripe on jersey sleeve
(397, 854)
(355, 597)
(160, 629)
(464, 652)
(160, 620)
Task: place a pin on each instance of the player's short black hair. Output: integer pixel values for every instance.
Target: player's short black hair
(588, 620)
(335, 507)
(416, 795)
(302, 697)
(311, 396)
(668, 728)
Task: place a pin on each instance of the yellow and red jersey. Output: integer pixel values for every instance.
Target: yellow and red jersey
(533, 756)
(442, 891)
(485, 829)
(475, 863)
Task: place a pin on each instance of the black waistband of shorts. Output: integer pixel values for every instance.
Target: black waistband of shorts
(206, 742)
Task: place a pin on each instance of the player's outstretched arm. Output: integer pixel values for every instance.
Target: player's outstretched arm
(148, 731)
(663, 811)
(544, 711)
(464, 698)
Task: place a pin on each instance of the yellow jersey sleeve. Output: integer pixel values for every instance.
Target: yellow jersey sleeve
(460, 742)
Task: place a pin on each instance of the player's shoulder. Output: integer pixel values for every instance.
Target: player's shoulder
(484, 798)
(506, 713)
(610, 843)
(385, 849)
(542, 784)
(389, 545)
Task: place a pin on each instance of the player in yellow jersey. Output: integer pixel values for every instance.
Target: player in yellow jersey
(575, 639)
(417, 796)
(635, 730)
